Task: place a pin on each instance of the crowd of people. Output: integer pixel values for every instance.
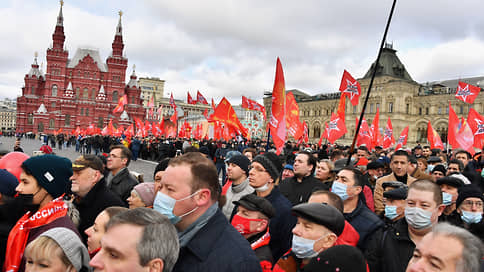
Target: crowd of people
(238, 206)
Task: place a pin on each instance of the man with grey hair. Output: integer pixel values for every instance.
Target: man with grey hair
(140, 239)
(462, 251)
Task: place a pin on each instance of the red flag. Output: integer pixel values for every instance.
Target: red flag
(466, 92)
(129, 132)
(213, 105)
(375, 130)
(364, 135)
(306, 132)
(201, 99)
(172, 102)
(336, 128)
(78, 130)
(350, 87)
(293, 123)
(161, 125)
(465, 138)
(452, 127)
(388, 139)
(341, 106)
(190, 100)
(476, 124)
(205, 113)
(433, 137)
(111, 128)
(324, 135)
(121, 102)
(160, 111)
(253, 105)
(277, 123)
(174, 117)
(139, 123)
(225, 113)
(403, 138)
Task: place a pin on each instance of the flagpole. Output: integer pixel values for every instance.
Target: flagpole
(371, 82)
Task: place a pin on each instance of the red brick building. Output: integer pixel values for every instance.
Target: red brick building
(80, 91)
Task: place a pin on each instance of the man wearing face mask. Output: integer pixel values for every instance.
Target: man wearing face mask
(394, 200)
(391, 249)
(317, 229)
(399, 165)
(264, 173)
(469, 210)
(449, 186)
(188, 196)
(348, 186)
(252, 221)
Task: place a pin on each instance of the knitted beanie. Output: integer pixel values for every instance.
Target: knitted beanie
(146, 192)
(271, 163)
(241, 161)
(72, 246)
(8, 183)
(51, 172)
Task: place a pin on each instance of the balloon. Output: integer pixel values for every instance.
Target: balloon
(12, 162)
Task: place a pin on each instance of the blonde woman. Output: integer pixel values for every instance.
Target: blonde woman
(324, 171)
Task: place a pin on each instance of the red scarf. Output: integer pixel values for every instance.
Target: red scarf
(93, 253)
(17, 239)
(262, 241)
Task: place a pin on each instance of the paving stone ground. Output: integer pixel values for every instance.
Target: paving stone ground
(28, 145)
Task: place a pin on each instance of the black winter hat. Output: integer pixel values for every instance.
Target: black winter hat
(468, 191)
(271, 163)
(256, 203)
(8, 183)
(342, 258)
(242, 161)
(439, 168)
(51, 172)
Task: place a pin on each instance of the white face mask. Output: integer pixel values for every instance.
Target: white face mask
(262, 188)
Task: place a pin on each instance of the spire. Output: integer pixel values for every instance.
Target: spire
(58, 37)
(132, 81)
(118, 39)
(119, 28)
(34, 70)
(60, 17)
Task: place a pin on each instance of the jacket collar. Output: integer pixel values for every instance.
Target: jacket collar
(91, 195)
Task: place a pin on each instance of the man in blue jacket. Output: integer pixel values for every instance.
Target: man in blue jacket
(189, 196)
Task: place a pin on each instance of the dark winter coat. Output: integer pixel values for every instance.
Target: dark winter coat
(122, 184)
(365, 223)
(217, 247)
(299, 192)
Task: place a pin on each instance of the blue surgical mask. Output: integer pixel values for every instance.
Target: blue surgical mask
(340, 189)
(303, 248)
(471, 217)
(446, 198)
(430, 168)
(391, 212)
(165, 204)
(418, 218)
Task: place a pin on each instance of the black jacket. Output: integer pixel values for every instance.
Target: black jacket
(98, 199)
(364, 221)
(122, 184)
(217, 247)
(299, 192)
(390, 249)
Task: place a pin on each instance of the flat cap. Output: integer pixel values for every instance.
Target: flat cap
(321, 214)
(394, 184)
(256, 203)
(434, 159)
(398, 193)
(451, 181)
(341, 163)
(374, 165)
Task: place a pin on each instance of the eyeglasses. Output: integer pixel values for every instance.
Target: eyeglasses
(114, 156)
(470, 203)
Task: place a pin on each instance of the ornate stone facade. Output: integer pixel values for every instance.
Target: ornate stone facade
(397, 96)
(78, 91)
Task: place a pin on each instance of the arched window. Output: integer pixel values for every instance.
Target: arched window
(33, 90)
(93, 93)
(51, 123)
(40, 127)
(115, 96)
(78, 92)
(85, 94)
(67, 120)
(30, 119)
(82, 111)
(87, 112)
(100, 122)
(54, 90)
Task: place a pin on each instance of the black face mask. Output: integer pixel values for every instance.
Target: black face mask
(25, 203)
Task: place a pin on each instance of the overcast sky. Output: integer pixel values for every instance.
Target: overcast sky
(229, 48)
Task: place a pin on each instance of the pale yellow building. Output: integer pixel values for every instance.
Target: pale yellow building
(151, 86)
